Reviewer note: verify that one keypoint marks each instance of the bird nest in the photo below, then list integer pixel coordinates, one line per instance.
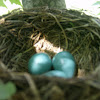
(24, 33)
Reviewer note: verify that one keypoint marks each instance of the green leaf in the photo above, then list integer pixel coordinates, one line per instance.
(15, 1)
(7, 90)
(98, 13)
(97, 3)
(2, 4)
(10, 86)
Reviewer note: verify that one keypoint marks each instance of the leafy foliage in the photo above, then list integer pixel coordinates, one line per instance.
(2, 4)
(7, 90)
(12, 1)
(15, 1)
(97, 3)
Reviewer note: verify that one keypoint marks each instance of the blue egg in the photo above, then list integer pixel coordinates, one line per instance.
(64, 62)
(39, 63)
(55, 73)
(64, 54)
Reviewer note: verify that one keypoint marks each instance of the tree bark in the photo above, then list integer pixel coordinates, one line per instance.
(58, 4)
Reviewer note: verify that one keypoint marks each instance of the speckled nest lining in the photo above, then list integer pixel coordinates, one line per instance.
(23, 33)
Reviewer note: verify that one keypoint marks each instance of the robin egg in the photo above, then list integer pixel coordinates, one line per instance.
(65, 62)
(39, 63)
(55, 73)
(64, 54)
